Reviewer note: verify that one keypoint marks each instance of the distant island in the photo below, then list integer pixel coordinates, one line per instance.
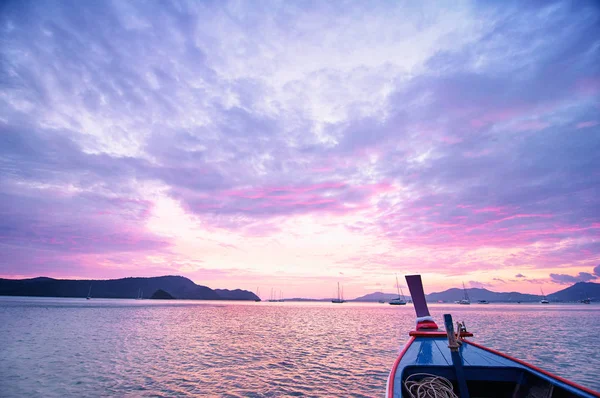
(175, 286)
(574, 293)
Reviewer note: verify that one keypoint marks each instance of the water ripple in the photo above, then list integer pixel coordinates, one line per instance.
(69, 347)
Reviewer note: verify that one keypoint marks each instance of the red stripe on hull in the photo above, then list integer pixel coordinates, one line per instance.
(568, 382)
(395, 367)
(435, 333)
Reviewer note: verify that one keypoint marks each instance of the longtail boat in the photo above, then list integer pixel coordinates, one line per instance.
(445, 363)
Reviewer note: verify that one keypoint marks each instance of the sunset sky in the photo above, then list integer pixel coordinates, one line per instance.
(291, 145)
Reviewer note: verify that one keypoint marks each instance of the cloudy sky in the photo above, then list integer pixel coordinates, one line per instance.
(291, 145)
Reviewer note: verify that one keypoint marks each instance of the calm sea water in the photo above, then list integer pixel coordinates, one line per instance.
(73, 347)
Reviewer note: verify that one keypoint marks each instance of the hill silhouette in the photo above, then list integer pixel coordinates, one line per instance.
(177, 286)
(577, 292)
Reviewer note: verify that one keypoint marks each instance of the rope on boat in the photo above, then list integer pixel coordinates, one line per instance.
(430, 386)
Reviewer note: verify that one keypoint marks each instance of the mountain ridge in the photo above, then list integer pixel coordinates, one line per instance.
(575, 292)
(177, 286)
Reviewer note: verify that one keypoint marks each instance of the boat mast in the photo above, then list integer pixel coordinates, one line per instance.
(338, 291)
(398, 286)
(465, 290)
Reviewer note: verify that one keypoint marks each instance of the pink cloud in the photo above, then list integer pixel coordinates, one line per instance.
(332, 197)
(491, 210)
(495, 116)
(591, 123)
(588, 86)
(477, 154)
(529, 126)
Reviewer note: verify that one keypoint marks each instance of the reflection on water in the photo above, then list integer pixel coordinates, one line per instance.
(73, 347)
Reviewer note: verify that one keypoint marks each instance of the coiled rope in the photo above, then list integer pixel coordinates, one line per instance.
(429, 386)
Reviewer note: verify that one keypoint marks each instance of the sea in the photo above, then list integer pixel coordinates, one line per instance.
(56, 347)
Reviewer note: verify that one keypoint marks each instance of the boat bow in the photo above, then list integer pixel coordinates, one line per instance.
(432, 358)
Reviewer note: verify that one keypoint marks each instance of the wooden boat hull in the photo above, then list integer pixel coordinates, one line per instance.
(441, 363)
(489, 373)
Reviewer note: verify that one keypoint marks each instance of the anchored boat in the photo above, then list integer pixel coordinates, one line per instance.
(437, 363)
(465, 300)
(401, 300)
(339, 299)
(257, 299)
(273, 299)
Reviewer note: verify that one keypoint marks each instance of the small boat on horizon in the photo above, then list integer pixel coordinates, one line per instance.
(140, 295)
(482, 302)
(465, 300)
(400, 300)
(543, 300)
(272, 298)
(257, 299)
(587, 300)
(89, 296)
(445, 363)
(339, 299)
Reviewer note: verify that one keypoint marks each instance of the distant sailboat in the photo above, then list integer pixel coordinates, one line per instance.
(89, 296)
(339, 299)
(543, 300)
(586, 300)
(465, 300)
(257, 295)
(401, 300)
(280, 297)
(272, 299)
(140, 295)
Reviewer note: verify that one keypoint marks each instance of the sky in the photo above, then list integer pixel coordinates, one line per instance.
(292, 145)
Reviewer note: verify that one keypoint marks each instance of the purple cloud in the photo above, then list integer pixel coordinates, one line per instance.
(250, 121)
(480, 285)
(568, 279)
